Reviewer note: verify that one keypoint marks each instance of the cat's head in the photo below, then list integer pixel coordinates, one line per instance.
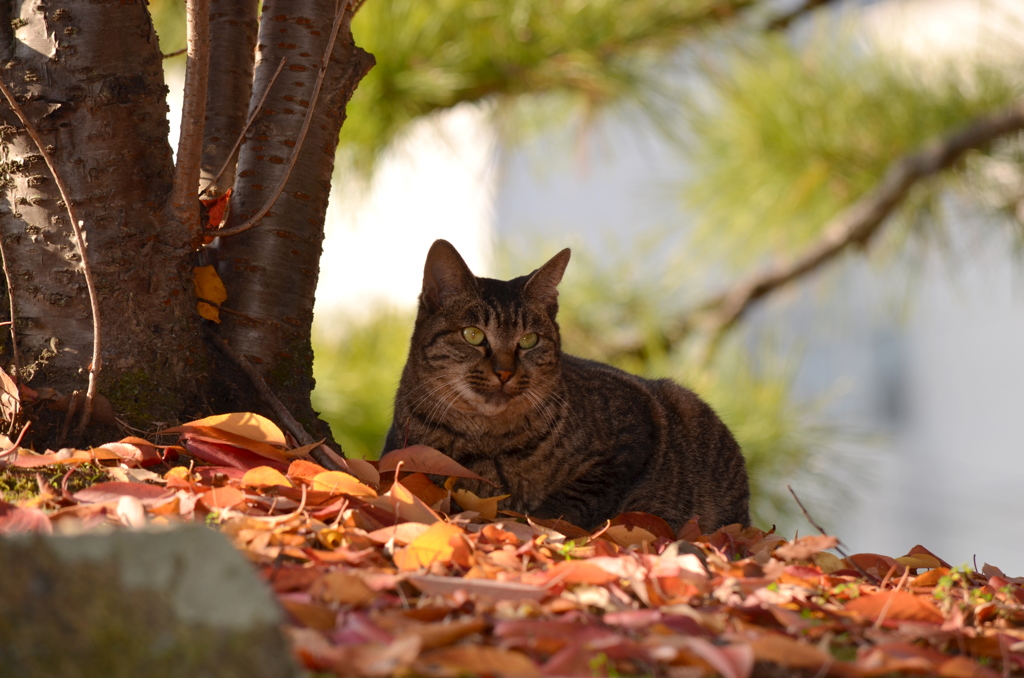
(490, 346)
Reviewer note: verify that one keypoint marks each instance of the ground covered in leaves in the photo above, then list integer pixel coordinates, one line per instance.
(379, 577)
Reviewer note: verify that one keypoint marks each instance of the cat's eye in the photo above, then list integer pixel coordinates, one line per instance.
(528, 340)
(474, 335)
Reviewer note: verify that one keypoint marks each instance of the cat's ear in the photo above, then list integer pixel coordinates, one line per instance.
(543, 283)
(445, 275)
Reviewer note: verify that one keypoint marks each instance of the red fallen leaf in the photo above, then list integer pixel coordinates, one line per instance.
(475, 660)
(223, 454)
(216, 435)
(112, 491)
(876, 564)
(805, 547)
(691, 530)
(423, 459)
(646, 521)
(15, 520)
(896, 606)
(221, 498)
(922, 551)
(420, 485)
(731, 661)
(485, 588)
(216, 209)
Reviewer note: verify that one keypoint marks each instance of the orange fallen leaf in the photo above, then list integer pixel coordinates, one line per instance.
(264, 476)
(221, 498)
(439, 543)
(425, 460)
(339, 482)
(301, 469)
(896, 606)
(246, 424)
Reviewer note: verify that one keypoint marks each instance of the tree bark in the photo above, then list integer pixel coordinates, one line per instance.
(99, 105)
(233, 28)
(271, 269)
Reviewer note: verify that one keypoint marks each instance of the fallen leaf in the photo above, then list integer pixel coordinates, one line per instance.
(339, 482)
(224, 454)
(112, 491)
(487, 507)
(342, 588)
(439, 543)
(896, 606)
(805, 548)
(483, 588)
(423, 459)
(404, 505)
(14, 520)
(10, 400)
(221, 498)
(246, 424)
(789, 653)
(264, 476)
(209, 286)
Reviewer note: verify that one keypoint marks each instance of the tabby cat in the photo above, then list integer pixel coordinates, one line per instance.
(487, 383)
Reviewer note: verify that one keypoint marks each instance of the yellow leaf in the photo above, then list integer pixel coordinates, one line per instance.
(339, 482)
(487, 507)
(209, 286)
(264, 476)
(437, 544)
(247, 424)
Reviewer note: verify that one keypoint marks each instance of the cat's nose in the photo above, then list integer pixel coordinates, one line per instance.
(503, 375)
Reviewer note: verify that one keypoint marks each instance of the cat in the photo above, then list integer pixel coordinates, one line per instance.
(487, 384)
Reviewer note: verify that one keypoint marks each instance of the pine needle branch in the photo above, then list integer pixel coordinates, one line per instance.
(856, 226)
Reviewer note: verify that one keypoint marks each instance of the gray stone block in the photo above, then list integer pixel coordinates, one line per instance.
(177, 602)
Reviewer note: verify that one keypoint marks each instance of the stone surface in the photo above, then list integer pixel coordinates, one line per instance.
(178, 602)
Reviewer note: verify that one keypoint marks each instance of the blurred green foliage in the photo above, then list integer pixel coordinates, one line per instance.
(435, 55)
(357, 366)
(795, 133)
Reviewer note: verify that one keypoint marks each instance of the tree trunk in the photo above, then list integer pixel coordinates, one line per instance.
(99, 105)
(271, 269)
(233, 26)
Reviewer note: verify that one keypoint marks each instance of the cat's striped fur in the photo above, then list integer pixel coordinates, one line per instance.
(566, 437)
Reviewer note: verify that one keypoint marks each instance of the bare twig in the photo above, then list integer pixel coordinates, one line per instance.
(177, 52)
(272, 401)
(783, 21)
(17, 443)
(248, 124)
(855, 226)
(838, 548)
(76, 226)
(183, 203)
(324, 62)
(15, 355)
(227, 310)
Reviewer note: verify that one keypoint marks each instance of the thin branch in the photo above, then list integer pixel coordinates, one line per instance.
(15, 355)
(272, 401)
(838, 548)
(175, 53)
(248, 124)
(783, 21)
(184, 203)
(857, 225)
(324, 62)
(76, 226)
